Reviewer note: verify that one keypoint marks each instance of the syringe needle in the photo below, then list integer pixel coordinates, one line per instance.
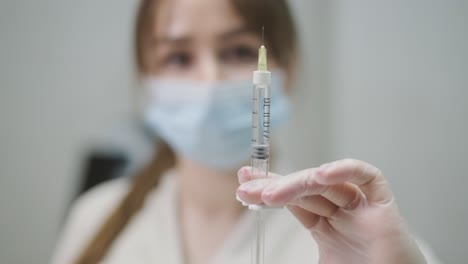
(263, 35)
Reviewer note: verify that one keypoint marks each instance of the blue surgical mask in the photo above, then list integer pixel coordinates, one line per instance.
(209, 123)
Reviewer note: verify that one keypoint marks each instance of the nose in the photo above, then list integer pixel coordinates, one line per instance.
(209, 68)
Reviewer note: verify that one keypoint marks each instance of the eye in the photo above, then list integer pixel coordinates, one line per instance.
(239, 54)
(178, 60)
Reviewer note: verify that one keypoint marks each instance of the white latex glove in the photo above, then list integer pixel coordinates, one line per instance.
(348, 207)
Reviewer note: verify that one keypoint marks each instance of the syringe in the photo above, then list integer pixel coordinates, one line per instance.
(260, 144)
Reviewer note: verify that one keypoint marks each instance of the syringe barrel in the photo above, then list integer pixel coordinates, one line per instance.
(261, 112)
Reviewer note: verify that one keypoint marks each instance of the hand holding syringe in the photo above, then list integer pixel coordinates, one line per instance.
(336, 202)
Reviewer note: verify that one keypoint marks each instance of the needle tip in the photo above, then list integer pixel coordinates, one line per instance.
(263, 35)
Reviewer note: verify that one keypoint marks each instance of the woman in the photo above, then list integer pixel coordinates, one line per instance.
(196, 59)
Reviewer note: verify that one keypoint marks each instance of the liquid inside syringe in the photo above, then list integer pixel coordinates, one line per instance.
(261, 112)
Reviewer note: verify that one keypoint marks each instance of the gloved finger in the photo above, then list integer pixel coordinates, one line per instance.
(246, 174)
(307, 218)
(251, 191)
(302, 184)
(346, 195)
(369, 179)
(318, 205)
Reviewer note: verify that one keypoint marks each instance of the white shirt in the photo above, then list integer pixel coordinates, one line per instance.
(152, 236)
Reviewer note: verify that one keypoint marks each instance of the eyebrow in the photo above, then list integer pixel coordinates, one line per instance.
(171, 40)
(234, 33)
(186, 40)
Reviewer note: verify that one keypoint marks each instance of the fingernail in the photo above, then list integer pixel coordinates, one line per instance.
(325, 167)
(244, 171)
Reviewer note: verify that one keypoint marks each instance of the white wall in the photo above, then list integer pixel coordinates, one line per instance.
(64, 74)
(381, 81)
(399, 79)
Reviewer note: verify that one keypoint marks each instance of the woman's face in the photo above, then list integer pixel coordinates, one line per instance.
(202, 40)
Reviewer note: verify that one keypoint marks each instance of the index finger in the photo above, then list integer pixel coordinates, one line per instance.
(369, 179)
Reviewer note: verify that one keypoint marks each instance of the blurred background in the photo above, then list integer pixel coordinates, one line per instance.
(382, 81)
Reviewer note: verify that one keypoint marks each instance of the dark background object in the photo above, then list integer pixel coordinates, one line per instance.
(101, 166)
